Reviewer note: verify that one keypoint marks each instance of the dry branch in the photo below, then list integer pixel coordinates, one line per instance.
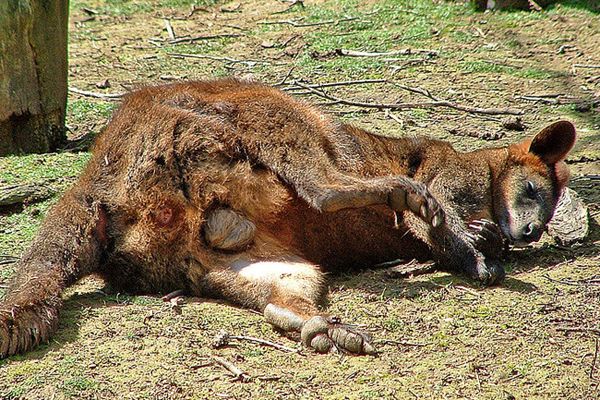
(228, 60)
(190, 39)
(404, 52)
(103, 96)
(332, 84)
(406, 106)
(238, 374)
(6, 260)
(17, 194)
(169, 29)
(223, 338)
(580, 329)
(298, 24)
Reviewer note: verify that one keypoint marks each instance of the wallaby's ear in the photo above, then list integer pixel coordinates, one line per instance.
(553, 143)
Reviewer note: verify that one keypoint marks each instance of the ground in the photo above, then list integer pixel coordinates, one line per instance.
(533, 337)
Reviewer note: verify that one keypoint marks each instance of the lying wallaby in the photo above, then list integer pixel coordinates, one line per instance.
(236, 190)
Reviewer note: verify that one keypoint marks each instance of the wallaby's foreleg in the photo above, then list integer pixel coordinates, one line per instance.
(399, 192)
(288, 293)
(455, 248)
(323, 185)
(67, 247)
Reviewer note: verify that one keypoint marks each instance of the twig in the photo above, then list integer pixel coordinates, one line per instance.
(29, 192)
(203, 37)
(172, 295)
(285, 78)
(409, 270)
(217, 58)
(539, 98)
(477, 134)
(586, 66)
(169, 28)
(238, 374)
(593, 281)
(103, 96)
(402, 343)
(223, 338)
(405, 106)
(6, 260)
(578, 329)
(332, 84)
(593, 368)
(404, 52)
(297, 24)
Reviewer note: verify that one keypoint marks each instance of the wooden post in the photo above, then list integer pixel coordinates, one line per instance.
(33, 75)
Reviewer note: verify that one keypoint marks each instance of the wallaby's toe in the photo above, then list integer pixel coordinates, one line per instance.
(487, 237)
(23, 329)
(324, 334)
(490, 272)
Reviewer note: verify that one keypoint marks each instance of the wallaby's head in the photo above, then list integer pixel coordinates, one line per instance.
(528, 187)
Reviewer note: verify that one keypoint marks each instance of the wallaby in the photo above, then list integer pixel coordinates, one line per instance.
(235, 189)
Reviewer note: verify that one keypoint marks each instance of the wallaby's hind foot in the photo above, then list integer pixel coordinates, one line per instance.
(320, 333)
(325, 334)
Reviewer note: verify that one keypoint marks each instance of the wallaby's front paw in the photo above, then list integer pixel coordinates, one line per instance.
(420, 201)
(324, 334)
(487, 237)
(490, 271)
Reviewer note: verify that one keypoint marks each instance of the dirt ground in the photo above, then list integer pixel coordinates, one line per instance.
(534, 337)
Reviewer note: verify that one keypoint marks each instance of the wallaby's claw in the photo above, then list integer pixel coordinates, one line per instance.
(490, 272)
(23, 329)
(420, 202)
(487, 237)
(325, 334)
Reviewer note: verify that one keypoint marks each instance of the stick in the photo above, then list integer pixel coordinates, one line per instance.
(285, 78)
(405, 106)
(17, 194)
(404, 52)
(578, 329)
(585, 66)
(103, 96)
(340, 83)
(238, 374)
(297, 24)
(172, 295)
(223, 338)
(203, 37)
(170, 30)
(216, 58)
(402, 343)
(593, 368)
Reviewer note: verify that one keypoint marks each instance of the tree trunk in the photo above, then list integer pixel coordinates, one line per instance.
(33, 75)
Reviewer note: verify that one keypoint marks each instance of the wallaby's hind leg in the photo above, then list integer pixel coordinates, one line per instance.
(288, 293)
(68, 246)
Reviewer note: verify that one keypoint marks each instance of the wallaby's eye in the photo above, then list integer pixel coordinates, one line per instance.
(531, 190)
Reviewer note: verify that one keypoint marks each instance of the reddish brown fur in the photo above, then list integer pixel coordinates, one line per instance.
(174, 153)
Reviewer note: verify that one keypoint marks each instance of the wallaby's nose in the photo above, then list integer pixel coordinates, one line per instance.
(532, 232)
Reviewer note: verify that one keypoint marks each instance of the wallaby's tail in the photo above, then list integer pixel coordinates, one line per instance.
(67, 247)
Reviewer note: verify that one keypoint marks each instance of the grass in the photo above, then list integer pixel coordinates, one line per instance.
(440, 336)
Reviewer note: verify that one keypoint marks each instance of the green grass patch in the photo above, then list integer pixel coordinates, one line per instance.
(128, 7)
(80, 111)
